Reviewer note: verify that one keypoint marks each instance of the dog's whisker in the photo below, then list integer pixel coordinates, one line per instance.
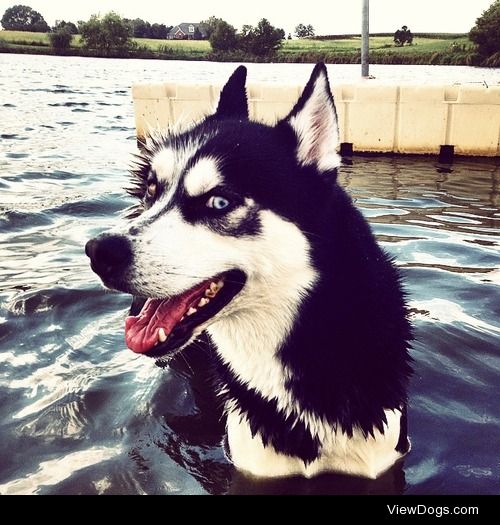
(184, 358)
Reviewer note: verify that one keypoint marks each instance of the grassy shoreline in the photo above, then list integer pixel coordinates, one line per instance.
(444, 49)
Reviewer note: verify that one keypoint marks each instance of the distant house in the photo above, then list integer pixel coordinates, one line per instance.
(188, 31)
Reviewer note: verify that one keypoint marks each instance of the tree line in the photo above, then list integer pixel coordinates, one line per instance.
(261, 40)
(111, 34)
(24, 18)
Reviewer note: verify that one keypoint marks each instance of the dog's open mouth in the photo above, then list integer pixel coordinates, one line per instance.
(164, 325)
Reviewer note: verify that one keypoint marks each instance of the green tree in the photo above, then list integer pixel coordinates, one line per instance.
(140, 28)
(24, 18)
(486, 32)
(61, 37)
(403, 36)
(211, 24)
(159, 31)
(70, 26)
(304, 31)
(263, 40)
(223, 36)
(197, 35)
(107, 34)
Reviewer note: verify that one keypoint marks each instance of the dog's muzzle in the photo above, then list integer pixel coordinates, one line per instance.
(109, 255)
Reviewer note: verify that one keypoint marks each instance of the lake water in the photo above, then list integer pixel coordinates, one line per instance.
(79, 413)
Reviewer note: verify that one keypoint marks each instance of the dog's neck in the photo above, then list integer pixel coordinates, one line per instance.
(248, 345)
(250, 337)
(319, 353)
(253, 381)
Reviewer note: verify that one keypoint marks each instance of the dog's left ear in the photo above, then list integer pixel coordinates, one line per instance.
(233, 97)
(314, 121)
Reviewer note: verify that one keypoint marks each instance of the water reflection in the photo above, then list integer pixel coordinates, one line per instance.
(390, 483)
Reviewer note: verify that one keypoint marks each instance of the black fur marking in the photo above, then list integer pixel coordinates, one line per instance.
(195, 211)
(349, 354)
(233, 99)
(285, 434)
(403, 444)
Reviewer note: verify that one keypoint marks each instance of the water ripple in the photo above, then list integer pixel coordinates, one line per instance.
(54, 471)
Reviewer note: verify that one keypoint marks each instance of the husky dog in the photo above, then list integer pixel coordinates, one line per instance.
(243, 232)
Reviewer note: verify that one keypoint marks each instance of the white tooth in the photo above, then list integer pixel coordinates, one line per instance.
(162, 336)
(203, 301)
(191, 311)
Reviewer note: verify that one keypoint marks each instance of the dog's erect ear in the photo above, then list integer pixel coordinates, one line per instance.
(314, 121)
(233, 97)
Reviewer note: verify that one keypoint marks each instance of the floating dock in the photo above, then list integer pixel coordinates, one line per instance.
(409, 119)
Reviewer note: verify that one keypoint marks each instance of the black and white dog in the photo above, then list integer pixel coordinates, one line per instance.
(243, 232)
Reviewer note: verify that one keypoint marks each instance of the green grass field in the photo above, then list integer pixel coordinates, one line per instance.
(378, 44)
(194, 46)
(429, 49)
(22, 36)
(30, 38)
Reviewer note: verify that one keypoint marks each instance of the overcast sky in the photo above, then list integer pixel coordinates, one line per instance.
(327, 16)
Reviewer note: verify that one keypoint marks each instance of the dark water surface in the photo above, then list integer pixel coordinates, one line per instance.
(81, 414)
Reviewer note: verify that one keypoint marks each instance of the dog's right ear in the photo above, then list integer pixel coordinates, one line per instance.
(233, 97)
(314, 122)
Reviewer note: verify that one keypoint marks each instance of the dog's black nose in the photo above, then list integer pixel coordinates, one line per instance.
(109, 254)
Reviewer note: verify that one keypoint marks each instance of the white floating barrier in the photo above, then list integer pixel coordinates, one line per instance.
(372, 118)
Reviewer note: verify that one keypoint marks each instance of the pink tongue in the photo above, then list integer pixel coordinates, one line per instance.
(141, 331)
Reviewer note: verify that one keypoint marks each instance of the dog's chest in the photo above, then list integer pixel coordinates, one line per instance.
(356, 455)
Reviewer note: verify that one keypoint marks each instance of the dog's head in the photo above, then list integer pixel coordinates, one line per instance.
(226, 212)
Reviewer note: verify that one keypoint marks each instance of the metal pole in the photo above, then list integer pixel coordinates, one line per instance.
(365, 42)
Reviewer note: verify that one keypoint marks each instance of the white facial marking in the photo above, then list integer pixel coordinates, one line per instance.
(202, 177)
(316, 127)
(164, 165)
(169, 163)
(169, 247)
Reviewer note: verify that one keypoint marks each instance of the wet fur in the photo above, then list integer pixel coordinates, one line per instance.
(312, 356)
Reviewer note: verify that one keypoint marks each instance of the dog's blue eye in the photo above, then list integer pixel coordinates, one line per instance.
(217, 202)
